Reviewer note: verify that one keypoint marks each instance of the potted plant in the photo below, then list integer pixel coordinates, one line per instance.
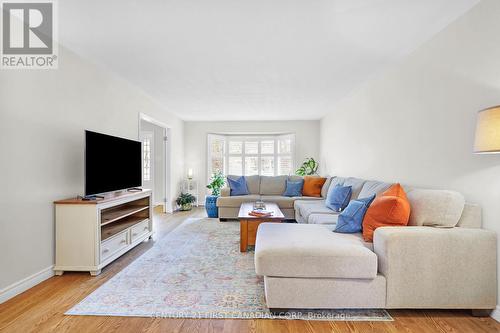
(216, 183)
(308, 168)
(185, 201)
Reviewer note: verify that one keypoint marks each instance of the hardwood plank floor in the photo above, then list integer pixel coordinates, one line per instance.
(41, 309)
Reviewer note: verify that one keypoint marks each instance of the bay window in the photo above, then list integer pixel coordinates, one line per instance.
(266, 155)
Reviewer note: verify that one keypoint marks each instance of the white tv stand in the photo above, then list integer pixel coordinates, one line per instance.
(91, 234)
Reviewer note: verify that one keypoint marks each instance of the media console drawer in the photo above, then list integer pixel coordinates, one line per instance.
(139, 230)
(114, 244)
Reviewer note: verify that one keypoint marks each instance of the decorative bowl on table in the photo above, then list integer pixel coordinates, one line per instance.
(259, 204)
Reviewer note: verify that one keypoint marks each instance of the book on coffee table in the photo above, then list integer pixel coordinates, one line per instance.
(261, 213)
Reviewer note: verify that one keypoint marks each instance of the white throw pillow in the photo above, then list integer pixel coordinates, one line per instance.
(438, 208)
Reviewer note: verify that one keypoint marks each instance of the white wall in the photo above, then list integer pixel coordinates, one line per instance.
(43, 115)
(195, 139)
(415, 124)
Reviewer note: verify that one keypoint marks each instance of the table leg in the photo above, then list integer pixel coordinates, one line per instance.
(243, 235)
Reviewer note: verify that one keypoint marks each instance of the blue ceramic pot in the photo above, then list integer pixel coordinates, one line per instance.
(211, 205)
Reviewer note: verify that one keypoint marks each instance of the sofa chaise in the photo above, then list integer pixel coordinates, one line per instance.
(443, 259)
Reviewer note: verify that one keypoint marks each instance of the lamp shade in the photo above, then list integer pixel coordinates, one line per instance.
(487, 138)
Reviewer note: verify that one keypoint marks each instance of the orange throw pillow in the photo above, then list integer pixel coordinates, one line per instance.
(312, 186)
(391, 208)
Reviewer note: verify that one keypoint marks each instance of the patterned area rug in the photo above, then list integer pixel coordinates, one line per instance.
(197, 271)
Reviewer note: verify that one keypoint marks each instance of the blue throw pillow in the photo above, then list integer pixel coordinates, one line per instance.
(338, 197)
(238, 186)
(368, 200)
(351, 219)
(293, 189)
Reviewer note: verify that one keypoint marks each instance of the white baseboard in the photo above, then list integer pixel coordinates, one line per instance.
(496, 313)
(29, 282)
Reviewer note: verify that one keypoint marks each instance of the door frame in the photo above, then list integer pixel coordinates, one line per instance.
(167, 201)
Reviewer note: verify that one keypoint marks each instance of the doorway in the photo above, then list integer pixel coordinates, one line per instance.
(156, 160)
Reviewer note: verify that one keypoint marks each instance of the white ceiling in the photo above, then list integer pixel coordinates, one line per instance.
(253, 59)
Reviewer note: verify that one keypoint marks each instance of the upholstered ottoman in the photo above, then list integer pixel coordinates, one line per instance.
(309, 266)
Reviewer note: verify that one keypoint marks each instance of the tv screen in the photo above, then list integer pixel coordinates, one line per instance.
(111, 163)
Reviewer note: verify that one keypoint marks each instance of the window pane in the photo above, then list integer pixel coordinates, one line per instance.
(217, 147)
(235, 165)
(250, 155)
(267, 166)
(284, 165)
(251, 147)
(251, 165)
(235, 147)
(267, 147)
(284, 146)
(217, 164)
(147, 159)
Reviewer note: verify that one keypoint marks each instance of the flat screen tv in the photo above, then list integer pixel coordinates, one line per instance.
(111, 163)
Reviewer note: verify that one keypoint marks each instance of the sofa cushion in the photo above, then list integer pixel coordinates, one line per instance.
(308, 207)
(326, 187)
(373, 187)
(356, 184)
(281, 201)
(330, 219)
(471, 216)
(270, 185)
(293, 188)
(308, 198)
(391, 208)
(238, 186)
(337, 181)
(330, 183)
(225, 191)
(338, 197)
(312, 186)
(253, 183)
(435, 207)
(308, 250)
(236, 201)
(295, 178)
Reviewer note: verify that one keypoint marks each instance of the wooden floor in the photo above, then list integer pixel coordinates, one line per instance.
(41, 309)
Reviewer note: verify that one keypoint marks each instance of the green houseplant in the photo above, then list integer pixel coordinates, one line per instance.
(216, 183)
(185, 201)
(308, 168)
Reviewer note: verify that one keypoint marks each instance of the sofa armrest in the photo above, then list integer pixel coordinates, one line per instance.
(225, 192)
(428, 267)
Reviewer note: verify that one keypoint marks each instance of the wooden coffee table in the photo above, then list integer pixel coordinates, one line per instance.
(249, 224)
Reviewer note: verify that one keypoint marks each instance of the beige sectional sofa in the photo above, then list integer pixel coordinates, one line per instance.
(265, 188)
(442, 260)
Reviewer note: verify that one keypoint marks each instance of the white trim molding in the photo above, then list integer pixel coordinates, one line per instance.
(496, 313)
(29, 282)
(167, 158)
(149, 119)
